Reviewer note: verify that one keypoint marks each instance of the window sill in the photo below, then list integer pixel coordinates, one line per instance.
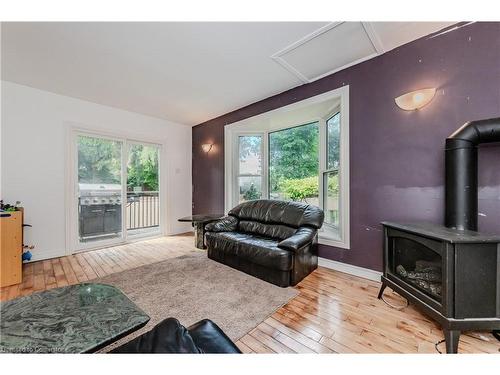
(330, 240)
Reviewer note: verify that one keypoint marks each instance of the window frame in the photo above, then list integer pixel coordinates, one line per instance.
(236, 170)
(282, 128)
(329, 233)
(340, 238)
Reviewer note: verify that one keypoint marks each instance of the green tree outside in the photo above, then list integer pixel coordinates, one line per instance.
(143, 168)
(99, 162)
(293, 161)
(252, 193)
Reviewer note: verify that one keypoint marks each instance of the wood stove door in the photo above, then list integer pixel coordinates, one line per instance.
(419, 265)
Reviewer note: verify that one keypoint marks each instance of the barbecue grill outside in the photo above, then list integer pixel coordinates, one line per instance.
(100, 210)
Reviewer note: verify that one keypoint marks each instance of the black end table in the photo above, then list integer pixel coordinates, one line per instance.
(199, 222)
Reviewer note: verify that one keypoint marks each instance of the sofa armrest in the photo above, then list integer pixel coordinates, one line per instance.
(300, 238)
(226, 224)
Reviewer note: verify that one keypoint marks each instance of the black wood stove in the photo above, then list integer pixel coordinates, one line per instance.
(451, 272)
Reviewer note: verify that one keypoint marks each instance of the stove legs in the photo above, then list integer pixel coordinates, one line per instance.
(381, 292)
(451, 337)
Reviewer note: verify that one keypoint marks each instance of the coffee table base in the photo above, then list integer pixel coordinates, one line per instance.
(199, 221)
(199, 234)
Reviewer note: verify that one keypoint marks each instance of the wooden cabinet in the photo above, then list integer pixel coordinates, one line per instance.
(11, 248)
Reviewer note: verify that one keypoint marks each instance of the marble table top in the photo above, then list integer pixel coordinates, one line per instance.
(73, 319)
(202, 218)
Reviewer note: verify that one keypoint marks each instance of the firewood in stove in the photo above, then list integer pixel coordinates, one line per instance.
(427, 266)
(431, 275)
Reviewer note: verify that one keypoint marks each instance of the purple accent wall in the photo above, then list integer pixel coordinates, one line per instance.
(396, 157)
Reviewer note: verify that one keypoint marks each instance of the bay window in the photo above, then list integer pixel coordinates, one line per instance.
(330, 175)
(296, 153)
(294, 164)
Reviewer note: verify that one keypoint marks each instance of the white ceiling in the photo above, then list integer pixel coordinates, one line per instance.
(190, 72)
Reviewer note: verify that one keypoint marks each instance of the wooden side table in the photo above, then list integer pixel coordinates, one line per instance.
(11, 247)
(199, 222)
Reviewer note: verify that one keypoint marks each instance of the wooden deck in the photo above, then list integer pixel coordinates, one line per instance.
(334, 312)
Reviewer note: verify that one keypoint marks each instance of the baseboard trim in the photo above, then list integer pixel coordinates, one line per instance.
(44, 255)
(350, 269)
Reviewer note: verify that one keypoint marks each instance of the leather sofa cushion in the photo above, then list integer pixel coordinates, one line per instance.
(226, 224)
(293, 214)
(168, 336)
(211, 339)
(252, 248)
(275, 231)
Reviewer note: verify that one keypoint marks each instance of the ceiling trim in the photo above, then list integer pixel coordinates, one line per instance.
(278, 55)
(355, 62)
(290, 68)
(374, 37)
(307, 38)
(367, 27)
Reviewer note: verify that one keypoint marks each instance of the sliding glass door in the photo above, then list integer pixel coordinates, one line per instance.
(117, 185)
(99, 189)
(143, 199)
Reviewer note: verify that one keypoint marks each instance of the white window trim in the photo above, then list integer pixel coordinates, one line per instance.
(325, 237)
(73, 245)
(236, 167)
(232, 131)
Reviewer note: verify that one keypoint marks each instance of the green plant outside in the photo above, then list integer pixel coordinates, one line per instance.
(251, 194)
(298, 189)
(143, 168)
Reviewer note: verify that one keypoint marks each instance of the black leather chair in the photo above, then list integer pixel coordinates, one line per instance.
(275, 241)
(170, 336)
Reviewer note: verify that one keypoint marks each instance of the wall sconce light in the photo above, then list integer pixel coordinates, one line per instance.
(415, 99)
(206, 147)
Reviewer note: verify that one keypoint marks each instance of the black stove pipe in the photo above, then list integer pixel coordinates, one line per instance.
(461, 171)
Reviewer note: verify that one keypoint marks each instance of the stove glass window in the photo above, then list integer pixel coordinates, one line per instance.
(417, 265)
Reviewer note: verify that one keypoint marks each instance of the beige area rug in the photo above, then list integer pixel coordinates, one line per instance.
(193, 287)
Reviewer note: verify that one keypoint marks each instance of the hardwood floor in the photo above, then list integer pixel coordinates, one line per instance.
(334, 312)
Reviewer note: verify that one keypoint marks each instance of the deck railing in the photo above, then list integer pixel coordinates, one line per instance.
(143, 210)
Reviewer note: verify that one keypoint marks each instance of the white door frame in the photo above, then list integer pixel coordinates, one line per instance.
(73, 244)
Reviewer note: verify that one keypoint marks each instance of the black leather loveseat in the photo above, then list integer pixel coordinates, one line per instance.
(170, 336)
(275, 241)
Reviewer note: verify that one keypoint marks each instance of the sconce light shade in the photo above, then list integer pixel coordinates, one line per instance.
(206, 147)
(415, 99)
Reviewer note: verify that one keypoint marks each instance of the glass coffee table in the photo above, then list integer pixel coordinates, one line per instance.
(80, 318)
(199, 222)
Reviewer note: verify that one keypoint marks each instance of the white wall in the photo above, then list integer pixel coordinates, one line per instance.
(34, 132)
